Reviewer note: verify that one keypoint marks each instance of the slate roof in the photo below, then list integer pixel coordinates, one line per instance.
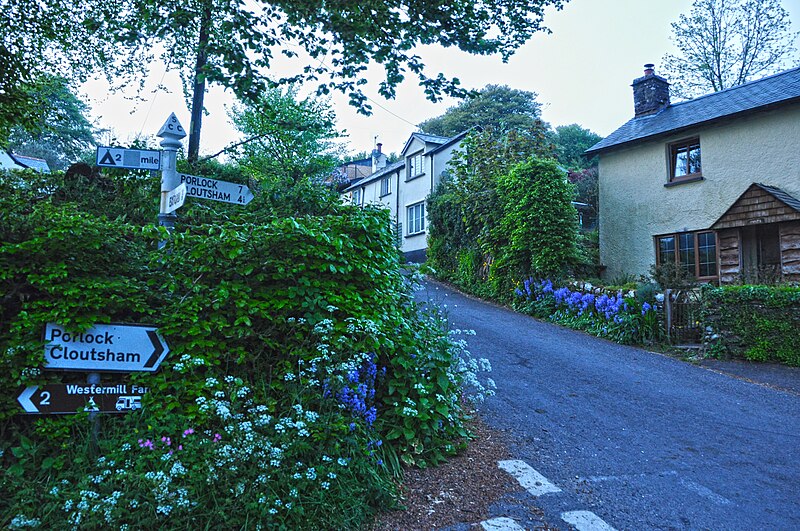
(450, 141)
(780, 195)
(36, 164)
(758, 95)
(443, 142)
(391, 168)
(428, 139)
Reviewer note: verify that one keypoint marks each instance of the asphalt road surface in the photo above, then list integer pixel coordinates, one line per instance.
(641, 440)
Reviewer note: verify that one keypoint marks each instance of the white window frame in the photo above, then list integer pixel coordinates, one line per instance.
(415, 219)
(415, 163)
(358, 196)
(386, 185)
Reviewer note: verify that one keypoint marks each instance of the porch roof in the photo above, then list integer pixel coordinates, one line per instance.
(759, 204)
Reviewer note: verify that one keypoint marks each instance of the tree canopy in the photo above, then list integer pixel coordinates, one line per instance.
(61, 134)
(39, 40)
(497, 106)
(571, 141)
(723, 43)
(236, 45)
(288, 138)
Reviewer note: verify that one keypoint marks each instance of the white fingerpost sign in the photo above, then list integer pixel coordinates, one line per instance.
(111, 347)
(206, 188)
(135, 159)
(176, 198)
(170, 134)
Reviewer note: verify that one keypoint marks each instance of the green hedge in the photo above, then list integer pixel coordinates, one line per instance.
(300, 374)
(758, 323)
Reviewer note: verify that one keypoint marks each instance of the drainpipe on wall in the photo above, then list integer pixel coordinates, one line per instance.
(397, 209)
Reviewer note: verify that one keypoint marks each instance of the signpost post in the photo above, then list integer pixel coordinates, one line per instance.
(171, 134)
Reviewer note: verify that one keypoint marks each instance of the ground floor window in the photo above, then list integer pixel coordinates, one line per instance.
(694, 252)
(415, 221)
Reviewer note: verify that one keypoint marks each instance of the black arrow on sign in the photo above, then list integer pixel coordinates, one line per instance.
(159, 348)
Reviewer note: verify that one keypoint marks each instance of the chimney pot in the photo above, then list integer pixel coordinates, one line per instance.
(379, 145)
(649, 69)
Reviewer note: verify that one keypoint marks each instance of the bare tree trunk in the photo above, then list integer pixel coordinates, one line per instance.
(199, 89)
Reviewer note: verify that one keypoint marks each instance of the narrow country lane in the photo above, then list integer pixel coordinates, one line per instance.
(631, 439)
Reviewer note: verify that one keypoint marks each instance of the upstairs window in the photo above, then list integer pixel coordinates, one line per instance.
(358, 196)
(386, 186)
(415, 165)
(684, 159)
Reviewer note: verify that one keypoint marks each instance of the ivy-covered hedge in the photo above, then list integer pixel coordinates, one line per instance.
(300, 374)
(759, 323)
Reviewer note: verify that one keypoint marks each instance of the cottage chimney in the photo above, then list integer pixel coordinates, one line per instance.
(378, 158)
(650, 92)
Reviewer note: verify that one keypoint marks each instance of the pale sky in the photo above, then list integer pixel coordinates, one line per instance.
(581, 72)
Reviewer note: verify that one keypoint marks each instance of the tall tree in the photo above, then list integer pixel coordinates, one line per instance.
(287, 138)
(571, 141)
(495, 106)
(234, 44)
(62, 134)
(723, 43)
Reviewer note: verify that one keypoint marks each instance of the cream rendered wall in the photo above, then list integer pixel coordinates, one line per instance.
(372, 194)
(635, 205)
(412, 192)
(439, 162)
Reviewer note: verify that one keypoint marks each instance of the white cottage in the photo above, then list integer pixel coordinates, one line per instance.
(404, 186)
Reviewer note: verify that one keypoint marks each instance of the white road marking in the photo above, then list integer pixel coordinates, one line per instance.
(531, 480)
(586, 521)
(705, 492)
(501, 524)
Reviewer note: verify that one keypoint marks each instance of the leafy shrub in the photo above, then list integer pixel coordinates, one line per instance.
(758, 323)
(539, 223)
(501, 214)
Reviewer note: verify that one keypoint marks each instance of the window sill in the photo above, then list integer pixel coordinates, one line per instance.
(685, 180)
(384, 195)
(415, 234)
(415, 177)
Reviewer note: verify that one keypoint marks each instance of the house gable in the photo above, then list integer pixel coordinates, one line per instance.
(759, 204)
